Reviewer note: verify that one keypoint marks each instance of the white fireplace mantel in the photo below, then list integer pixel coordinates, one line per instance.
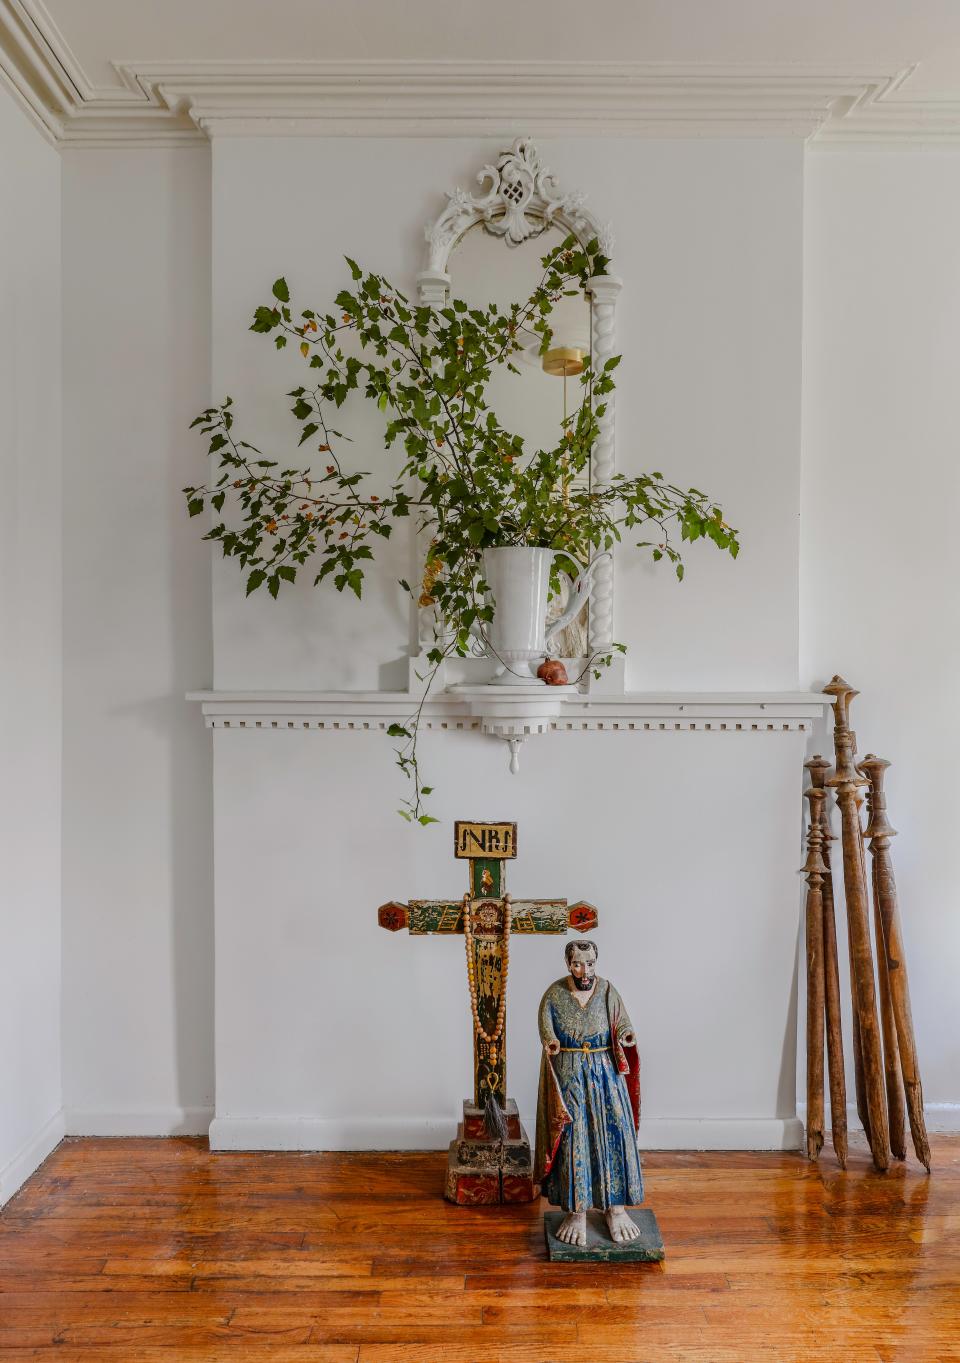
(508, 712)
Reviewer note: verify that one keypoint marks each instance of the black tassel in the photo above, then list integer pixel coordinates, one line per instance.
(494, 1120)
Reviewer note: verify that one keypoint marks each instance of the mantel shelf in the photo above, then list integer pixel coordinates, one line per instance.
(515, 714)
(737, 711)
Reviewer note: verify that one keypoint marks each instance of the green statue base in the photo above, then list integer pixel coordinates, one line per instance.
(648, 1247)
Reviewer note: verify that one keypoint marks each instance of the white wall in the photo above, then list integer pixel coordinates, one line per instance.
(711, 239)
(709, 245)
(30, 653)
(138, 973)
(333, 1033)
(880, 548)
(330, 1031)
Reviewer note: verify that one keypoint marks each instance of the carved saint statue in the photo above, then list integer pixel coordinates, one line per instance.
(588, 1108)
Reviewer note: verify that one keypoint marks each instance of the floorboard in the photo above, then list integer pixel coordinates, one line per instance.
(142, 1251)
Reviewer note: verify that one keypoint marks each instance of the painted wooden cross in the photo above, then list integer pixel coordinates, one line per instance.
(487, 847)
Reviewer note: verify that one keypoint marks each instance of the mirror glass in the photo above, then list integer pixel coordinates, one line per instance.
(532, 403)
(484, 270)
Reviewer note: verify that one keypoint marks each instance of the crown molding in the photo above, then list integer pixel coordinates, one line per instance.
(174, 103)
(452, 99)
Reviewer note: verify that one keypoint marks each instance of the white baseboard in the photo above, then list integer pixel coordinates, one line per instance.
(720, 1133)
(331, 1133)
(942, 1116)
(939, 1117)
(171, 1121)
(435, 1133)
(30, 1156)
(414, 1133)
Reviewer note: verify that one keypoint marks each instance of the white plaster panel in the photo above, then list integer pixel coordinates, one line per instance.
(708, 242)
(138, 922)
(685, 842)
(30, 652)
(880, 554)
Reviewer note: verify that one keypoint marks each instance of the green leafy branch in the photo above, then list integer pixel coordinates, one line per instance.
(469, 483)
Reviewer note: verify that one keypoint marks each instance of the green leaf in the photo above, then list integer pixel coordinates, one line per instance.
(426, 818)
(281, 291)
(273, 586)
(255, 580)
(355, 269)
(398, 731)
(195, 506)
(265, 319)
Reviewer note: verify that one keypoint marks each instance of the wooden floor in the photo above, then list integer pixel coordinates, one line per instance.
(134, 1250)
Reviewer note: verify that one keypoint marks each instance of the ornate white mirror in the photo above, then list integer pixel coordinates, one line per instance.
(487, 248)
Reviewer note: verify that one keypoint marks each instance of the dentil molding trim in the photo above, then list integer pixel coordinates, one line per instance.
(173, 103)
(644, 712)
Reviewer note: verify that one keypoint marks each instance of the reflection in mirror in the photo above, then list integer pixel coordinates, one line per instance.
(484, 270)
(533, 402)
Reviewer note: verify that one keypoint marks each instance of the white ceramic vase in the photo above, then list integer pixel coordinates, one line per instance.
(517, 639)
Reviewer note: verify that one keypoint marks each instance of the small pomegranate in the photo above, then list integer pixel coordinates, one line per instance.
(552, 672)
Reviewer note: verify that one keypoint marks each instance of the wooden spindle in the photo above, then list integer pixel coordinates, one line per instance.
(813, 869)
(879, 832)
(846, 781)
(862, 1110)
(896, 1118)
(818, 767)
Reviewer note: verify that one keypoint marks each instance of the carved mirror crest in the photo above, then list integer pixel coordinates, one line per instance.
(522, 202)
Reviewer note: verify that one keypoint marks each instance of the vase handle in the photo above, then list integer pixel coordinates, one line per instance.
(579, 596)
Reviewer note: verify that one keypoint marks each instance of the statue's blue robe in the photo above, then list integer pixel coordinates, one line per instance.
(586, 1121)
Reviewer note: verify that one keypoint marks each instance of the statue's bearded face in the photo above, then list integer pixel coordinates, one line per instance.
(583, 968)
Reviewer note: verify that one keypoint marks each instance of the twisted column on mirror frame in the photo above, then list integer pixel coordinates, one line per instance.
(603, 298)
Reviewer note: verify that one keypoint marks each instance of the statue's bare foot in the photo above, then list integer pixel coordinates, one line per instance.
(573, 1229)
(622, 1227)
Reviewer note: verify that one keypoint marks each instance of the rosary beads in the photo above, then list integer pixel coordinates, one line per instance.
(495, 1035)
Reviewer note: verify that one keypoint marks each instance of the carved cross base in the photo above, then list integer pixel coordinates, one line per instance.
(483, 1170)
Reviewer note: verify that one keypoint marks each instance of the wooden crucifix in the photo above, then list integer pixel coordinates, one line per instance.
(488, 1165)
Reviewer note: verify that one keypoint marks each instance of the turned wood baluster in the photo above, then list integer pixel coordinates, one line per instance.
(862, 1090)
(879, 832)
(818, 767)
(813, 869)
(891, 1060)
(846, 781)
(859, 1084)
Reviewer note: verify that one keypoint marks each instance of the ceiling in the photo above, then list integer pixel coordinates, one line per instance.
(83, 66)
(887, 34)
